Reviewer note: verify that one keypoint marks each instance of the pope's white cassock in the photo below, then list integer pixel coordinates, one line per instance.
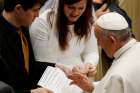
(124, 74)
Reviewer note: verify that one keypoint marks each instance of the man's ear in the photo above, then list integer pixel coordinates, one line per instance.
(113, 38)
(18, 8)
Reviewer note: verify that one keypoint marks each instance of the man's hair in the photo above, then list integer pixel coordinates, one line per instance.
(9, 5)
(122, 35)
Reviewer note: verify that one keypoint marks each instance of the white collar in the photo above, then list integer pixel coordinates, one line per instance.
(128, 45)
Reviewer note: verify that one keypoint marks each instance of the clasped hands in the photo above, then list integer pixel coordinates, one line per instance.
(86, 69)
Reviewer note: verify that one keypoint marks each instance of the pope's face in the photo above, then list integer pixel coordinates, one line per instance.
(104, 41)
(74, 11)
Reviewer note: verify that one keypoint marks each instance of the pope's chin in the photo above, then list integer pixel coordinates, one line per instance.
(109, 55)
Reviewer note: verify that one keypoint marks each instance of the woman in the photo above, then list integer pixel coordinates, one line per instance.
(62, 34)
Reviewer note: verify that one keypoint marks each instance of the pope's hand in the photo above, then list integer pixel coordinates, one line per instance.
(82, 81)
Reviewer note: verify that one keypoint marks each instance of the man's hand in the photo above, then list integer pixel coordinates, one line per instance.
(82, 81)
(41, 90)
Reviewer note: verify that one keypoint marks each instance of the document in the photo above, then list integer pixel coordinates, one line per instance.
(55, 79)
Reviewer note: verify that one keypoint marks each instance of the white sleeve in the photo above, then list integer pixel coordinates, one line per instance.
(39, 33)
(115, 85)
(91, 54)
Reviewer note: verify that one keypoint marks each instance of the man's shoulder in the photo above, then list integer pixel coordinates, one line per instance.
(2, 25)
(2, 32)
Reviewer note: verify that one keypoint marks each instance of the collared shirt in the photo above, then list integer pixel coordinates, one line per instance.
(124, 48)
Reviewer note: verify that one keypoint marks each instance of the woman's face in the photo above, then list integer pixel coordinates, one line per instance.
(74, 11)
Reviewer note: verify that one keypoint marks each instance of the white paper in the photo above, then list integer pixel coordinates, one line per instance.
(55, 79)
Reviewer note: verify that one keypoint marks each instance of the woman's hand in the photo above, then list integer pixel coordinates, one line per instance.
(65, 69)
(91, 69)
(85, 69)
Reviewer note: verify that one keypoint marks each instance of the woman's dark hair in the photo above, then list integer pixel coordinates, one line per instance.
(9, 5)
(82, 26)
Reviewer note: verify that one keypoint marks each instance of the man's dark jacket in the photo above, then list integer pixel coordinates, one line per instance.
(12, 70)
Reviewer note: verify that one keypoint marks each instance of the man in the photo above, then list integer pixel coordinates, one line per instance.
(114, 36)
(17, 65)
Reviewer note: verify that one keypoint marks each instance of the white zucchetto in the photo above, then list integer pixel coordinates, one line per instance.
(112, 21)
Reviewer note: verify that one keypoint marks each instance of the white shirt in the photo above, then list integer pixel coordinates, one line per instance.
(124, 74)
(46, 47)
